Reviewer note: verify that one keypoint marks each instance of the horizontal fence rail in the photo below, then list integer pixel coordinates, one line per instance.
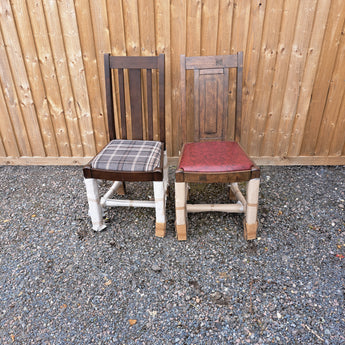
(52, 94)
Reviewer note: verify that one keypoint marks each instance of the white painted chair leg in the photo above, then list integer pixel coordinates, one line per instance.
(95, 209)
(160, 196)
(251, 223)
(181, 210)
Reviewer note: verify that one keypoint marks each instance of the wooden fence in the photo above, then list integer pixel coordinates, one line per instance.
(52, 106)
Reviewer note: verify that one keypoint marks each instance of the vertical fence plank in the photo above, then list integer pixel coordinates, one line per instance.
(252, 58)
(258, 18)
(146, 15)
(116, 34)
(89, 55)
(162, 11)
(20, 78)
(338, 142)
(193, 48)
(2, 147)
(324, 75)
(239, 37)
(280, 76)
(51, 85)
(131, 20)
(265, 75)
(304, 24)
(6, 128)
(224, 27)
(59, 114)
(334, 100)
(116, 27)
(225, 19)
(132, 35)
(103, 29)
(178, 47)
(209, 27)
(12, 102)
(23, 27)
(77, 74)
(309, 74)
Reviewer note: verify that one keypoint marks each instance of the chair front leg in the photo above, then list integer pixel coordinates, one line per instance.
(181, 210)
(160, 197)
(251, 223)
(95, 209)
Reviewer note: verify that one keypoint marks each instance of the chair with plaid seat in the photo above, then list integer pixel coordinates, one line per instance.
(209, 156)
(141, 99)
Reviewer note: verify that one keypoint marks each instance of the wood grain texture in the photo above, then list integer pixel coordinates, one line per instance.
(21, 79)
(89, 55)
(322, 83)
(31, 61)
(53, 87)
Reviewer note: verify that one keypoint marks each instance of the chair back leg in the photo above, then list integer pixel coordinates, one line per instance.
(181, 190)
(251, 223)
(160, 198)
(95, 209)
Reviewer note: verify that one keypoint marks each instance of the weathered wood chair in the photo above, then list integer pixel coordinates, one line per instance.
(209, 158)
(135, 159)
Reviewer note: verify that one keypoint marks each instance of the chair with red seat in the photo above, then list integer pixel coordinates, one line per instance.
(209, 158)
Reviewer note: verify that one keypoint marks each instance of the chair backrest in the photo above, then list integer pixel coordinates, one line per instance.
(211, 95)
(135, 82)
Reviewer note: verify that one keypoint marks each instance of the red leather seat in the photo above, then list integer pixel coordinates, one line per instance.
(214, 156)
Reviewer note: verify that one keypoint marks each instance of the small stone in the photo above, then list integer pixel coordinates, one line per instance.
(216, 295)
(156, 268)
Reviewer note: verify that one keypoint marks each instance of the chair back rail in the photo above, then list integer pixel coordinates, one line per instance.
(211, 96)
(134, 68)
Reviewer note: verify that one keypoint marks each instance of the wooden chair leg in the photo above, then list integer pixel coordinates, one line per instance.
(95, 209)
(122, 189)
(181, 210)
(232, 195)
(251, 223)
(160, 197)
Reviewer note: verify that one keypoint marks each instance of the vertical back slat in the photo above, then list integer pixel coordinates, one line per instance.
(226, 124)
(109, 97)
(196, 105)
(122, 104)
(135, 101)
(149, 104)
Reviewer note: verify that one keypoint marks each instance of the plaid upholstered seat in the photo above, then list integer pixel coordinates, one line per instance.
(129, 155)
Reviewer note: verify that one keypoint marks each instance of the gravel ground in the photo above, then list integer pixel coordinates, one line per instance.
(62, 283)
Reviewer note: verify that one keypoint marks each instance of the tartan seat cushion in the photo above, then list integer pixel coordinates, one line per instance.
(213, 157)
(129, 155)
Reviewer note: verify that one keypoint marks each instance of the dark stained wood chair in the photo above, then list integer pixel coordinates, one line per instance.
(209, 158)
(139, 158)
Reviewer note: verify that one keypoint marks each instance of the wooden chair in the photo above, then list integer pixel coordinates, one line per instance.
(132, 159)
(209, 158)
